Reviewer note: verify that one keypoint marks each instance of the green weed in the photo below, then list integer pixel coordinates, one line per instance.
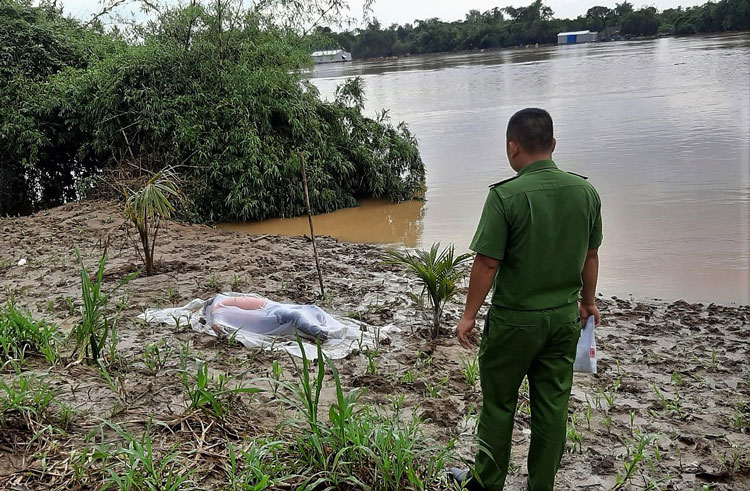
(409, 377)
(207, 393)
(372, 363)
(423, 360)
(255, 467)
(574, 437)
(237, 283)
(741, 416)
(610, 395)
(435, 390)
(630, 465)
(358, 446)
(135, 466)
(91, 333)
(672, 405)
(20, 335)
(276, 373)
(735, 459)
(471, 371)
(28, 401)
(156, 355)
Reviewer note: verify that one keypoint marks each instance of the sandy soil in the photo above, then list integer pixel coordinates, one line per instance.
(695, 356)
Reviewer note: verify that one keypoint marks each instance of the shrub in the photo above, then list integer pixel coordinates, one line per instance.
(214, 92)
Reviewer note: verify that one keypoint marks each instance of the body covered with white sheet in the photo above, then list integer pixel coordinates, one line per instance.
(259, 316)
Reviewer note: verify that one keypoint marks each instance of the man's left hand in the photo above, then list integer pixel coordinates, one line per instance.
(466, 330)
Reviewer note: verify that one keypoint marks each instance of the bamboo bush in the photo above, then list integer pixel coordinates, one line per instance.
(213, 89)
(438, 271)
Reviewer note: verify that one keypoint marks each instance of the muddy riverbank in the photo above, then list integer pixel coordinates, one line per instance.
(672, 375)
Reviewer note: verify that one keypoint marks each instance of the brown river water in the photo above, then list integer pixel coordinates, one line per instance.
(660, 127)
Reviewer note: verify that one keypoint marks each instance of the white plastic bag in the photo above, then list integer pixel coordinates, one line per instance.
(586, 350)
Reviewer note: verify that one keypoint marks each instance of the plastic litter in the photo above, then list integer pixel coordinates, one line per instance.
(586, 350)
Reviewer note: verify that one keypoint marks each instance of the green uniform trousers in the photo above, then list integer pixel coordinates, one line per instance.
(542, 345)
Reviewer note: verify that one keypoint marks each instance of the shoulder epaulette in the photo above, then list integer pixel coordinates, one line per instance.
(579, 175)
(502, 182)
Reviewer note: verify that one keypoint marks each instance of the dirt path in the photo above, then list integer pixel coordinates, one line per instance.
(672, 376)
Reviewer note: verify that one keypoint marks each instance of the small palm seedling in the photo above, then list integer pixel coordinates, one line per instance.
(438, 272)
(146, 208)
(96, 327)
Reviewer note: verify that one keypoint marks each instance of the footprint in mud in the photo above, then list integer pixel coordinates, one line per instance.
(441, 412)
(375, 383)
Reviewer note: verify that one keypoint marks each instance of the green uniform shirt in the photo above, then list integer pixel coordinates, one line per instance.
(539, 224)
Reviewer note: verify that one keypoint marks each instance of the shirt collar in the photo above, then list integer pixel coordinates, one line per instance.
(538, 165)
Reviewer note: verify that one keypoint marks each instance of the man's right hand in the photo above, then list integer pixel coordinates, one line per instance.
(465, 331)
(587, 310)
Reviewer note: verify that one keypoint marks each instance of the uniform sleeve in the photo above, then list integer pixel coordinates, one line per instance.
(595, 236)
(492, 232)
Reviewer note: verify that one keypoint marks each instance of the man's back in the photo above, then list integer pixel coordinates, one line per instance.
(540, 225)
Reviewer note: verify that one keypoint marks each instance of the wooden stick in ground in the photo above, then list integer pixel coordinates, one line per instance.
(309, 219)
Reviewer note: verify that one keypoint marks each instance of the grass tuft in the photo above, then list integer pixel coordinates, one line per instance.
(20, 335)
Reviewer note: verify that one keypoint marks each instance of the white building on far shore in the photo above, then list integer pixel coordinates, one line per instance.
(331, 56)
(577, 37)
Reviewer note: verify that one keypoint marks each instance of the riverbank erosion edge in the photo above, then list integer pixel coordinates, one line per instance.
(673, 383)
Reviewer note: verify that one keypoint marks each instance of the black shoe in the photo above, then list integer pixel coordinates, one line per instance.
(463, 477)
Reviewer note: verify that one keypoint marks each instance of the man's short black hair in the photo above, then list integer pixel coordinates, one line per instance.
(531, 128)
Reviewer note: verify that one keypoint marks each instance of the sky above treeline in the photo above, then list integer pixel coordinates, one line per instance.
(403, 11)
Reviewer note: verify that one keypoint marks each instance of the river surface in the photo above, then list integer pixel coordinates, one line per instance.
(660, 127)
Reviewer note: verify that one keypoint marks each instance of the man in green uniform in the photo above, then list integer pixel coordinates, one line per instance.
(536, 245)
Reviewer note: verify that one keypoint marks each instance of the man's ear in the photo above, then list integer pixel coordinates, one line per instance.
(513, 149)
(554, 144)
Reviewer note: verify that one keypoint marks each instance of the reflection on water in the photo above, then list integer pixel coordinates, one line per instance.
(435, 62)
(661, 128)
(373, 222)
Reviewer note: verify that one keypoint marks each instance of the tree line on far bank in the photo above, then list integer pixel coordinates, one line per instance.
(212, 90)
(513, 26)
